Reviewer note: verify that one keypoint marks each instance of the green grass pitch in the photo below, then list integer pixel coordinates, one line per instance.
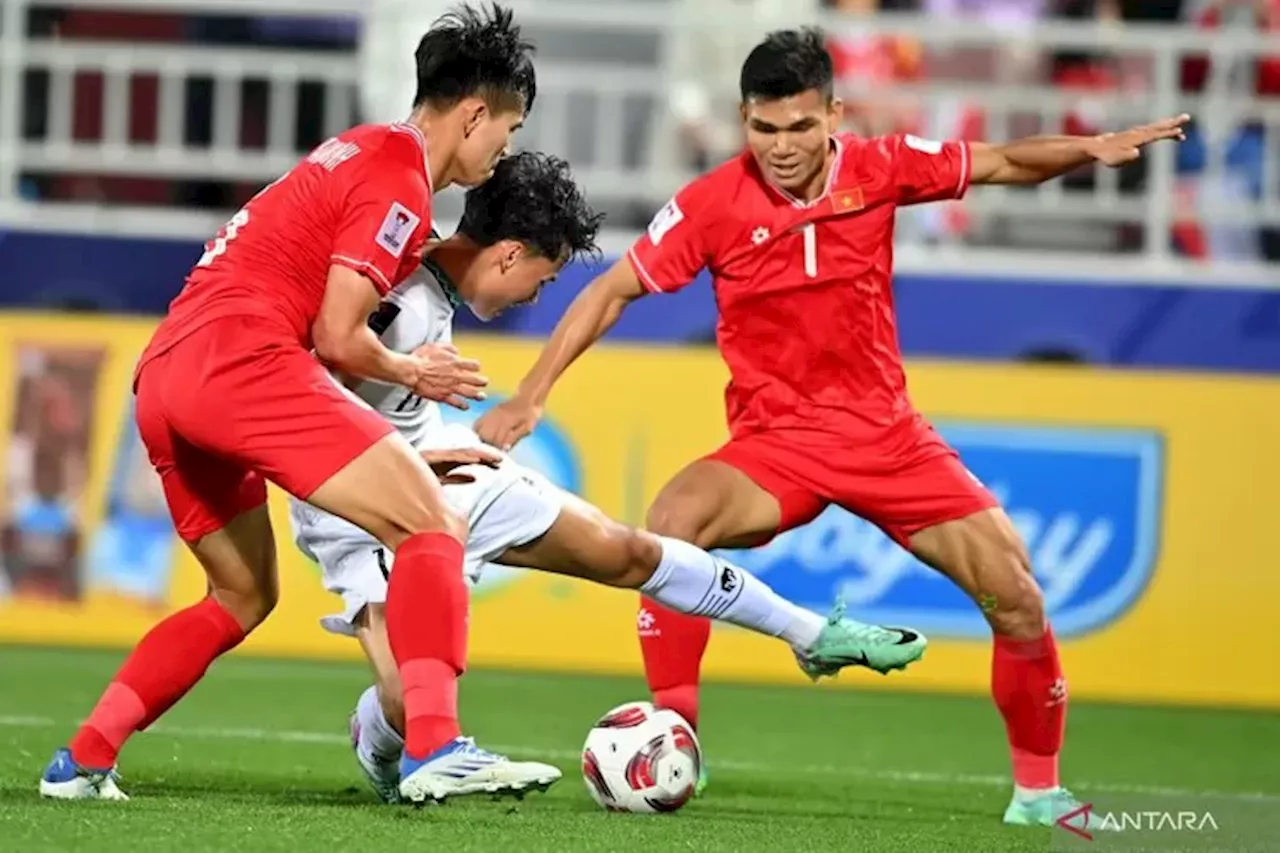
(256, 759)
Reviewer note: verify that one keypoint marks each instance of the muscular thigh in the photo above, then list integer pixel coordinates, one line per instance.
(241, 390)
(739, 497)
(984, 555)
(266, 405)
(204, 491)
(584, 542)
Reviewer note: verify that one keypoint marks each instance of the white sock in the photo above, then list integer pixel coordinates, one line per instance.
(377, 736)
(692, 581)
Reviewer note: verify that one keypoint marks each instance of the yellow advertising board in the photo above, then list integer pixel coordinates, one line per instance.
(1146, 500)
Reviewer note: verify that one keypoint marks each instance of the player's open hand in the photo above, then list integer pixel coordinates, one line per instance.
(1117, 149)
(446, 377)
(508, 422)
(446, 462)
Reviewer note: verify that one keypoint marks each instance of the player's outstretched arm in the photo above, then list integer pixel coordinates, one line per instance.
(591, 315)
(1041, 158)
(343, 340)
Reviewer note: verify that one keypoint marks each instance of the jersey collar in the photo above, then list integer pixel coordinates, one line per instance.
(442, 278)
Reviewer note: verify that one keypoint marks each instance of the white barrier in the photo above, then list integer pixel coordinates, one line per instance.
(608, 110)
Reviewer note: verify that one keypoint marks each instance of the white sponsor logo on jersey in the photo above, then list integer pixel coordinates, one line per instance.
(926, 146)
(396, 228)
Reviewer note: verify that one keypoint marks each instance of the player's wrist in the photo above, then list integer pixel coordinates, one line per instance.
(530, 397)
(1091, 145)
(406, 369)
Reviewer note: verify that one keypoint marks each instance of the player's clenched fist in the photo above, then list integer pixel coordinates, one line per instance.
(507, 423)
(446, 377)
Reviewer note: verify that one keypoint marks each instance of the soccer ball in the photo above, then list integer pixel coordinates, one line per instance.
(641, 759)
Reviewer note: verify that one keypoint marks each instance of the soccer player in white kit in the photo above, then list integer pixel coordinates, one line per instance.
(517, 230)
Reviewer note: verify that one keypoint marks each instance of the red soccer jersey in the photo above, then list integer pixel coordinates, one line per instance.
(807, 323)
(361, 200)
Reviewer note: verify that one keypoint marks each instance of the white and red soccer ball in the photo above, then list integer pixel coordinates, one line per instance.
(641, 759)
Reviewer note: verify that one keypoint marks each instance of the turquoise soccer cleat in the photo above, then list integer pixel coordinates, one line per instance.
(1048, 808)
(846, 642)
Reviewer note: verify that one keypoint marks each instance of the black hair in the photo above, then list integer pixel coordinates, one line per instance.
(787, 63)
(470, 51)
(532, 198)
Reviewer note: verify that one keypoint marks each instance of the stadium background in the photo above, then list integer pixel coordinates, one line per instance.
(1104, 352)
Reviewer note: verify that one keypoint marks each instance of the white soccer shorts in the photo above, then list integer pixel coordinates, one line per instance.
(505, 508)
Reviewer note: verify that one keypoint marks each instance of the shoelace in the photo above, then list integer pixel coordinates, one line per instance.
(860, 630)
(470, 748)
(100, 779)
(1064, 794)
(872, 633)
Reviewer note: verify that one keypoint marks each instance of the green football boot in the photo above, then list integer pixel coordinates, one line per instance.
(1048, 808)
(847, 642)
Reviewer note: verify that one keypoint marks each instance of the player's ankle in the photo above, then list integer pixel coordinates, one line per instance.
(429, 734)
(682, 698)
(1034, 772)
(89, 749)
(1023, 793)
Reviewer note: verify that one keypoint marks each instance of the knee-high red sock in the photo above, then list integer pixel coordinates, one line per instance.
(427, 625)
(1031, 693)
(167, 663)
(672, 644)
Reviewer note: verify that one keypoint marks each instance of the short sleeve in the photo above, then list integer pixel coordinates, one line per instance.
(381, 220)
(926, 170)
(672, 251)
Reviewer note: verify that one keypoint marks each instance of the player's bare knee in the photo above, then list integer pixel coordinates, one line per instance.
(249, 607)
(413, 520)
(679, 518)
(1016, 606)
(637, 554)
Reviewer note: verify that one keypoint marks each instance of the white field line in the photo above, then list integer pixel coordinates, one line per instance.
(839, 771)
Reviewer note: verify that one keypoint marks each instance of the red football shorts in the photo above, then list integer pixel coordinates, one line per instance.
(906, 481)
(236, 401)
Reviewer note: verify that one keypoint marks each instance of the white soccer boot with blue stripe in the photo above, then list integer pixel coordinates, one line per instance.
(460, 767)
(63, 779)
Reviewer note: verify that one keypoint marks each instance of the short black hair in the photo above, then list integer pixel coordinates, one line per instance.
(470, 51)
(532, 198)
(787, 63)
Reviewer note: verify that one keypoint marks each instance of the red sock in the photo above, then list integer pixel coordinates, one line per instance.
(427, 626)
(672, 644)
(167, 663)
(1031, 693)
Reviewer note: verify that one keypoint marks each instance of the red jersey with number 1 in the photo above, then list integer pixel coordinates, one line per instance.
(807, 324)
(360, 200)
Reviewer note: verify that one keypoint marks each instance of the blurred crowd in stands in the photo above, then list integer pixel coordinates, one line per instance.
(875, 74)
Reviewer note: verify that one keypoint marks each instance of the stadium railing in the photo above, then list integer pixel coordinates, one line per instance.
(604, 113)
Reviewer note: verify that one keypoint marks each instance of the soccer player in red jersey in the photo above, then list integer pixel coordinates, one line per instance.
(798, 235)
(229, 394)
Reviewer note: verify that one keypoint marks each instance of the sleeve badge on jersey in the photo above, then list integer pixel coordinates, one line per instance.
(669, 217)
(925, 146)
(396, 229)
